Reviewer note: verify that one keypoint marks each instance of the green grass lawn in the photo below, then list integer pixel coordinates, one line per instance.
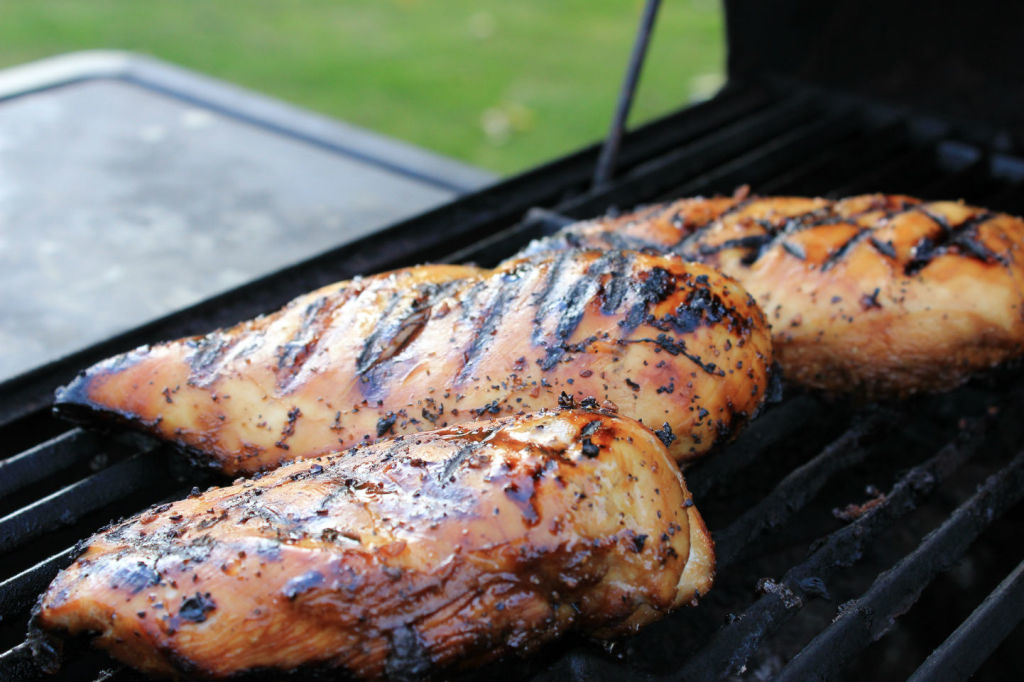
(504, 85)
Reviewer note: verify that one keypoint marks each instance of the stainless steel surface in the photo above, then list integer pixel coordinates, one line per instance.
(120, 203)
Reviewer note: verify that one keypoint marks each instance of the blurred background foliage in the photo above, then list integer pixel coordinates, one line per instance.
(504, 85)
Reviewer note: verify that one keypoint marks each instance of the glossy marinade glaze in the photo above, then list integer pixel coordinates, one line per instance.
(877, 295)
(675, 345)
(447, 548)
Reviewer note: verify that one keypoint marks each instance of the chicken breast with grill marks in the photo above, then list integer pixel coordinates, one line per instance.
(447, 548)
(875, 295)
(675, 345)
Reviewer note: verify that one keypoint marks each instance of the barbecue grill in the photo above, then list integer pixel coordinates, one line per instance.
(853, 539)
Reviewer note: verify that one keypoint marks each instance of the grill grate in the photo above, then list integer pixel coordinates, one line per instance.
(786, 562)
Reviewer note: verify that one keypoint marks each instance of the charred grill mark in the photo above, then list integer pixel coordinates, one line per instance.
(540, 300)
(889, 205)
(458, 458)
(684, 243)
(884, 248)
(373, 347)
(819, 217)
(489, 320)
(614, 291)
(654, 287)
(837, 256)
(963, 236)
(824, 215)
(206, 355)
(398, 327)
(758, 244)
(939, 220)
(794, 249)
(292, 355)
(970, 246)
(702, 307)
(573, 305)
(468, 300)
(622, 242)
(753, 243)
(135, 578)
(678, 347)
(922, 254)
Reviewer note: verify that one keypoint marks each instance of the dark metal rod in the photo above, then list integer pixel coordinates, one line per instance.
(977, 637)
(549, 221)
(18, 592)
(765, 432)
(868, 618)
(610, 150)
(46, 459)
(18, 664)
(729, 649)
(765, 161)
(79, 663)
(797, 489)
(67, 505)
(700, 155)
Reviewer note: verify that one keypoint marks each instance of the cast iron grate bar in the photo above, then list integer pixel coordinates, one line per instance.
(1010, 199)
(17, 663)
(538, 222)
(765, 432)
(967, 172)
(978, 636)
(798, 488)
(819, 174)
(19, 592)
(872, 615)
(678, 165)
(67, 505)
(44, 460)
(764, 162)
(899, 175)
(81, 664)
(732, 646)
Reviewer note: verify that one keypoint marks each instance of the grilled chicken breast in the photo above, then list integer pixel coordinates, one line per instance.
(452, 547)
(878, 295)
(675, 345)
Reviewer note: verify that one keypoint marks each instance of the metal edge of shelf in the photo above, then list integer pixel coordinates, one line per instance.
(244, 105)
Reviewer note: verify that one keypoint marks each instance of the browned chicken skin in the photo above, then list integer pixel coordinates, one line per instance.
(675, 345)
(452, 547)
(874, 295)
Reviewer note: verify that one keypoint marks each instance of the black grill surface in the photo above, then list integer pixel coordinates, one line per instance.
(853, 539)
